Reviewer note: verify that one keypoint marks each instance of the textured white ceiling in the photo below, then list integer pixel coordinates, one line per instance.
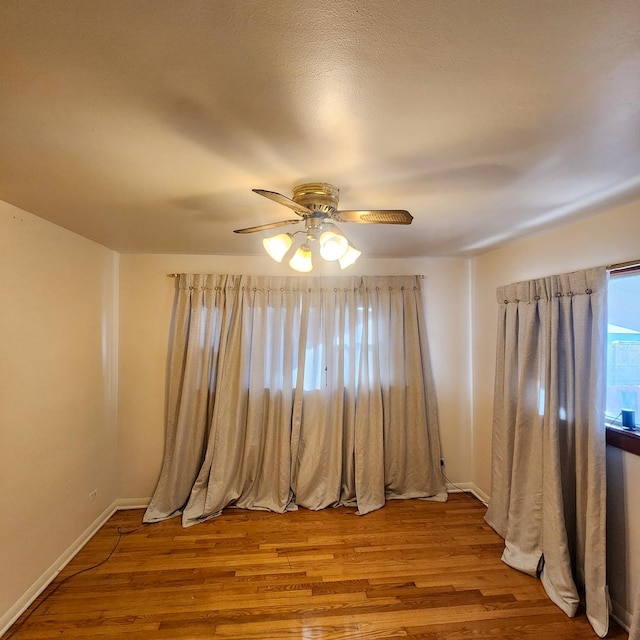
(144, 125)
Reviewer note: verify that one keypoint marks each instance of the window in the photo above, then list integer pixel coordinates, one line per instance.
(623, 360)
(336, 346)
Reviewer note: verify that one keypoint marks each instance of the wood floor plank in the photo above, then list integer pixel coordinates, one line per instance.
(415, 569)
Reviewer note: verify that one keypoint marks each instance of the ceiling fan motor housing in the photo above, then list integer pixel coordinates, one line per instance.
(317, 196)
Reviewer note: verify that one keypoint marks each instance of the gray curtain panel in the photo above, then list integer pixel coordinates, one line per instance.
(634, 632)
(548, 467)
(295, 391)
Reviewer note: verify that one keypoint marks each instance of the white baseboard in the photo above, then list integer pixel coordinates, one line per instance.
(621, 615)
(459, 487)
(132, 503)
(10, 616)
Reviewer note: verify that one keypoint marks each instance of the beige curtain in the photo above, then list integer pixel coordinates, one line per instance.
(634, 632)
(548, 474)
(294, 391)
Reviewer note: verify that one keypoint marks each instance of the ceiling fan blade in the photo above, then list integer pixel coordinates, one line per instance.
(264, 227)
(280, 199)
(389, 216)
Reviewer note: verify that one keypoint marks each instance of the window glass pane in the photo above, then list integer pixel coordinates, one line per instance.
(623, 350)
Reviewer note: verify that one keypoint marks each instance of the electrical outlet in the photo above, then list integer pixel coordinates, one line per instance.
(93, 494)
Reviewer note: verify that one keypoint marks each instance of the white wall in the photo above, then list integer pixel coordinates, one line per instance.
(607, 238)
(58, 428)
(146, 298)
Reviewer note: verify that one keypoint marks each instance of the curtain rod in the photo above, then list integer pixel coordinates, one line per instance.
(176, 275)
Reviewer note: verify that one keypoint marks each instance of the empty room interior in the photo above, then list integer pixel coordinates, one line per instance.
(277, 270)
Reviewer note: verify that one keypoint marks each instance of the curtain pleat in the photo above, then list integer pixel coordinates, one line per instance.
(287, 392)
(548, 474)
(634, 631)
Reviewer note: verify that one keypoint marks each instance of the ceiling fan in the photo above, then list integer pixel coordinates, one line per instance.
(316, 204)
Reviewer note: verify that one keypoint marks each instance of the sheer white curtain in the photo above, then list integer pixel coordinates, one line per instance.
(287, 391)
(548, 475)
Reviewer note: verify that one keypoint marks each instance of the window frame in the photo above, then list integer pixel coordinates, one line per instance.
(616, 436)
(624, 439)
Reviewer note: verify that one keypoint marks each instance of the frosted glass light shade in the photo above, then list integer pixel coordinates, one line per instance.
(333, 245)
(351, 255)
(277, 246)
(301, 260)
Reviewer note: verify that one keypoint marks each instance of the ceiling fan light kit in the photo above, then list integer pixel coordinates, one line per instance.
(277, 246)
(333, 245)
(301, 260)
(317, 205)
(351, 255)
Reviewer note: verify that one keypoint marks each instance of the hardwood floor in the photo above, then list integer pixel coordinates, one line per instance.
(414, 569)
